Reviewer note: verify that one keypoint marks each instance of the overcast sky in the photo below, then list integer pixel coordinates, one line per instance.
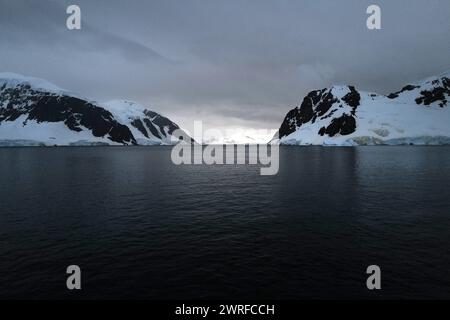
(230, 63)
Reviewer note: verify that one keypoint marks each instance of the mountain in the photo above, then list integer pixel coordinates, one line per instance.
(342, 115)
(147, 127)
(36, 112)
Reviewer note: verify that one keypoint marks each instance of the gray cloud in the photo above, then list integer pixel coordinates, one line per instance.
(235, 62)
(42, 24)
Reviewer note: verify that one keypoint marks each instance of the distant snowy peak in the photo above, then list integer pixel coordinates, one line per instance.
(36, 112)
(429, 92)
(342, 115)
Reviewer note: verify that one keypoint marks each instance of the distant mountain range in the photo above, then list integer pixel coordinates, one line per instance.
(418, 114)
(35, 112)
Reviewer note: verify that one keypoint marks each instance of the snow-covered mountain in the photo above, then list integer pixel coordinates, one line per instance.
(146, 126)
(36, 112)
(341, 115)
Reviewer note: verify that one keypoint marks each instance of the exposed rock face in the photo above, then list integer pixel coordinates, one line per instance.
(434, 91)
(76, 114)
(323, 105)
(35, 111)
(341, 115)
(148, 127)
(438, 94)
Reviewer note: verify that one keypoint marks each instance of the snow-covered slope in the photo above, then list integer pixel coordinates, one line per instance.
(148, 127)
(342, 115)
(36, 112)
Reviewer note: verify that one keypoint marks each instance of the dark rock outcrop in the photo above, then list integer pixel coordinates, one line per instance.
(75, 113)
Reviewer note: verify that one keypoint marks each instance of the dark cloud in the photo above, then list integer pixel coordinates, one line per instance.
(235, 62)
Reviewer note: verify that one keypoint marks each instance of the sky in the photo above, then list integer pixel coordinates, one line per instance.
(232, 64)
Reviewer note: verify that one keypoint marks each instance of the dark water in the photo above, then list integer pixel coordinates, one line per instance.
(141, 227)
